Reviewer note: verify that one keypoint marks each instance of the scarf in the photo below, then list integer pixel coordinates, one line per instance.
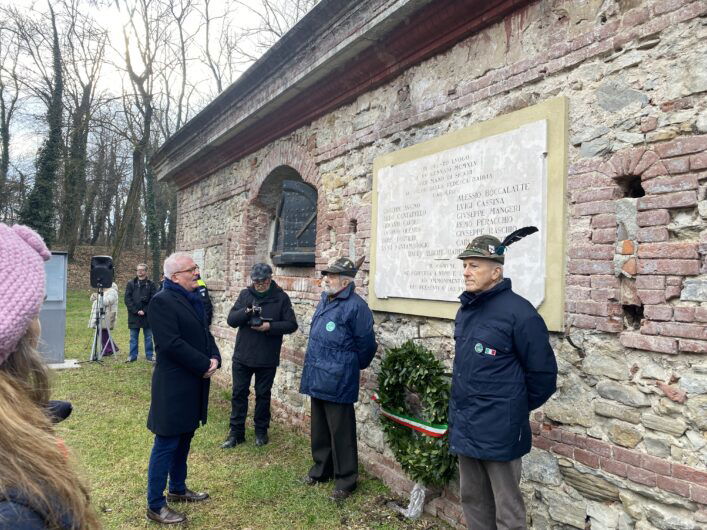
(193, 297)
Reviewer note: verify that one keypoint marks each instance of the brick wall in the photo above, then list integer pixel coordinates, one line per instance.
(622, 443)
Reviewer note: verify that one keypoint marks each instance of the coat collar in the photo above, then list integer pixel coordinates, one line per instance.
(183, 300)
(468, 298)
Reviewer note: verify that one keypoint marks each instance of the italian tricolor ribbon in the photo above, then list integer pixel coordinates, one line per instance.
(428, 429)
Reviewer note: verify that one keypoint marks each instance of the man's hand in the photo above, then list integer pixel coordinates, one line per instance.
(212, 369)
(141, 313)
(265, 326)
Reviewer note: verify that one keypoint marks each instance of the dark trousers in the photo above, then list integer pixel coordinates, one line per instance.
(490, 494)
(334, 447)
(168, 458)
(242, 376)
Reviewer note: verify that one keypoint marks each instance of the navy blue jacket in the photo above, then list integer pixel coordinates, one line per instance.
(341, 344)
(17, 513)
(504, 367)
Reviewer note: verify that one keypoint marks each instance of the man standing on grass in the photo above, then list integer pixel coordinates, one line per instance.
(187, 356)
(504, 367)
(341, 344)
(263, 315)
(138, 294)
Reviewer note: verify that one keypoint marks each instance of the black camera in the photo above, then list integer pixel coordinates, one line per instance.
(255, 318)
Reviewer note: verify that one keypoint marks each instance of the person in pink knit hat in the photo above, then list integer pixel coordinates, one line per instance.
(39, 488)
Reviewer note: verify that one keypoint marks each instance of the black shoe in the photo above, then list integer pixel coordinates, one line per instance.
(131, 361)
(232, 441)
(261, 439)
(340, 495)
(187, 496)
(308, 481)
(166, 515)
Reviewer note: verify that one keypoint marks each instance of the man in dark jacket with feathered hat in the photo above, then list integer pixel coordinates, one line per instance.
(504, 367)
(263, 315)
(341, 344)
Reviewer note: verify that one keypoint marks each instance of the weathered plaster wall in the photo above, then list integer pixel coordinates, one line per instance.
(623, 442)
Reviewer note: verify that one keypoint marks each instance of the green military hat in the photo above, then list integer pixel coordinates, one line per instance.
(486, 246)
(343, 266)
(490, 247)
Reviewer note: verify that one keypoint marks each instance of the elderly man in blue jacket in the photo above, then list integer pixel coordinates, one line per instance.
(504, 367)
(341, 344)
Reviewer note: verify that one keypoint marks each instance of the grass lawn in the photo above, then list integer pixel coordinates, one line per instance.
(251, 487)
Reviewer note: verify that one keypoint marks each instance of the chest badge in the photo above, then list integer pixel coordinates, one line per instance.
(330, 326)
(490, 351)
(479, 347)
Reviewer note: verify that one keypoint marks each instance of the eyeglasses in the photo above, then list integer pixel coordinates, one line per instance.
(192, 270)
(261, 282)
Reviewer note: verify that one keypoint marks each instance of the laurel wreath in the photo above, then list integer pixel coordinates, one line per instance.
(413, 368)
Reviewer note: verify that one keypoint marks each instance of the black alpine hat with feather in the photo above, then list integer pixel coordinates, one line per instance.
(490, 247)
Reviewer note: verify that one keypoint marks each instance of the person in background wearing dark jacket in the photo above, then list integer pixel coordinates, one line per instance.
(341, 344)
(203, 291)
(138, 294)
(504, 367)
(187, 357)
(257, 350)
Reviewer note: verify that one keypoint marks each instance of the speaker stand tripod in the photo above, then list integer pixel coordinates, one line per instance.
(97, 350)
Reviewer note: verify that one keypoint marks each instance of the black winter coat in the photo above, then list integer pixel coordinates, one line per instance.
(185, 346)
(504, 367)
(260, 349)
(137, 297)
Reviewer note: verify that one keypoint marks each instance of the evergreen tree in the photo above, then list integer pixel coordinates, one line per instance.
(38, 210)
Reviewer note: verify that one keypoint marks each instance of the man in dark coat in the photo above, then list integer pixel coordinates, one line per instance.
(257, 350)
(504, 367)
(341, 344)
(138, 294)
(187, 356)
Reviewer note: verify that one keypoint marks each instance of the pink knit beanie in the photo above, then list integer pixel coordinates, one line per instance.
(22, 257)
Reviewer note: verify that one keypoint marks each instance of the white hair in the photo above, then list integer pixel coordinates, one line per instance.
(171, 264)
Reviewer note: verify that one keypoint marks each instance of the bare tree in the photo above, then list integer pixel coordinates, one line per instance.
(9, 96)
(84, 51)
(274, 19)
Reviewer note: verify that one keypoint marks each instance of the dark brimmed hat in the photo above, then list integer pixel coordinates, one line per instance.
(343, 266)
(488, 247)
(260, 271)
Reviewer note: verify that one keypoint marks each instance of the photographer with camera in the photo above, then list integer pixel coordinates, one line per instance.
(263, 314)
(138, 294)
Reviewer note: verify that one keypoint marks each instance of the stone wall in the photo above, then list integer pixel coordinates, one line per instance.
(622, 443)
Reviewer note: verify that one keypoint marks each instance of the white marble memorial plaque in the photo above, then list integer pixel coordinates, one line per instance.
(430, 208)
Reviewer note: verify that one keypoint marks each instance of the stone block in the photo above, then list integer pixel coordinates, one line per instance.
(613, 96)
(694, 384)
(541, 466)
(624, 434)
(610, 409)
(694, 289)
(605, 366)
(626, 218)
(672, 393)
(626, 394)
(591, 486)
(676, 427)
(657, 446)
